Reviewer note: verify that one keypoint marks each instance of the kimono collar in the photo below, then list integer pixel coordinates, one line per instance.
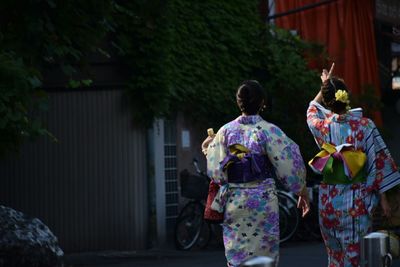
(249, 119)
(349, 115)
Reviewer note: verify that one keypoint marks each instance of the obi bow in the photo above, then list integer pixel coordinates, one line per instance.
(353, 160)
(239, 153)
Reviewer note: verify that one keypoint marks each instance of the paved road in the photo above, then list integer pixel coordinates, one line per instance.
(292, 254)
(299, 254)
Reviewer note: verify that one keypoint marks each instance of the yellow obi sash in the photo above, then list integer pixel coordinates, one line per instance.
(340, 165)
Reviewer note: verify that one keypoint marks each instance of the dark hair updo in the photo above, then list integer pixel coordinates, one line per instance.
(250, 97)
(328, 90)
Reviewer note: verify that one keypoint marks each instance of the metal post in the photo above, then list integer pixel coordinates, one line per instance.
(375, 250)
(157, 168)
(259, 261)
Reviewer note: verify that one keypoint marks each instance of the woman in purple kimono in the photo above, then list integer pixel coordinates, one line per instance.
(357, 170)
(241, 159)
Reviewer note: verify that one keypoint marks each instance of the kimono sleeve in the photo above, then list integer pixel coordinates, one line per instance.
(216, 152)
(285, 156)
(382, 172)
(316, 115)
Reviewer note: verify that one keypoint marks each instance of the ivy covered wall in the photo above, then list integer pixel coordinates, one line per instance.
(180, 55)
(191, 57)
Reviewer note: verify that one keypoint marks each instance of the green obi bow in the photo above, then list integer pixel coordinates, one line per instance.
(340, 165)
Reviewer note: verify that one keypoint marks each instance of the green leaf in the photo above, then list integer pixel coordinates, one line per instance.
(68, 70)
(104, 53)
(51, 3)
(74, 84)
(87, 82)
(35, 82)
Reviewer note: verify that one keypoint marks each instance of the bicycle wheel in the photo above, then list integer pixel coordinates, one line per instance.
(284, 221)
(288, 216)
(188, 226)
(216, 233)
(204, 236)
(190, 208)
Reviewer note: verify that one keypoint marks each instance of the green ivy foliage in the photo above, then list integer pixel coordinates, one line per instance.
(190, 57)
(17, 95)
(182, 56)
(143, 46)
(43, 32)
(37, 35)
(291, 85)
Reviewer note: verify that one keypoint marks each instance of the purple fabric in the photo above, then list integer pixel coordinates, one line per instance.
(319, 163)
(250, 168)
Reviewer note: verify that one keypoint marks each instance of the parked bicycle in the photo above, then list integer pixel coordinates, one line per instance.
(191, 230)
(289, 215)
(300, 228)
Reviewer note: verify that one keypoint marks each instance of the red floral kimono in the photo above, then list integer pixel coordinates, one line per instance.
(345, 208)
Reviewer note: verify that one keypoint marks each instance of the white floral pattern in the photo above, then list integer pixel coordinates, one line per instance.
(251, 218)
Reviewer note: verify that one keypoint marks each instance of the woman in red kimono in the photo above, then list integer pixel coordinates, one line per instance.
(357, 170)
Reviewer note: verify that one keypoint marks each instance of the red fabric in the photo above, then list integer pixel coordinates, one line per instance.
(210, 215)
(346, 28)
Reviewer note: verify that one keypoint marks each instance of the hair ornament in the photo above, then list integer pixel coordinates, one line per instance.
(343, 96)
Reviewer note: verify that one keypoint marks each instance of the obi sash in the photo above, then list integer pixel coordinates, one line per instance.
(340, 165)
(242, 166)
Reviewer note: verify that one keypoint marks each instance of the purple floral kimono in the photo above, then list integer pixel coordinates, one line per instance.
(251, 217)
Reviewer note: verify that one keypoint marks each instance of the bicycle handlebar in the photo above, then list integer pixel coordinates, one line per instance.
(196, 166)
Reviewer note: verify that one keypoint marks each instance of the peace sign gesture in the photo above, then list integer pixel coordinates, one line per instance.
(325, 75)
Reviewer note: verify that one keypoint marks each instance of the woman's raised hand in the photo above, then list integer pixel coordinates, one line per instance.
(325, 75)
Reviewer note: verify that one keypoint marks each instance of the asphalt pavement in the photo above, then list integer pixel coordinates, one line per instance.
(308, 254)
(293, 254)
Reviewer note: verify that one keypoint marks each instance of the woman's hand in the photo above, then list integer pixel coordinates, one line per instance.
(303, 202)
(206, 143)
(325, 75)
(386, 210)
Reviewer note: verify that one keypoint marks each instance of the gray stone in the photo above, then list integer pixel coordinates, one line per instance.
(26, 241)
